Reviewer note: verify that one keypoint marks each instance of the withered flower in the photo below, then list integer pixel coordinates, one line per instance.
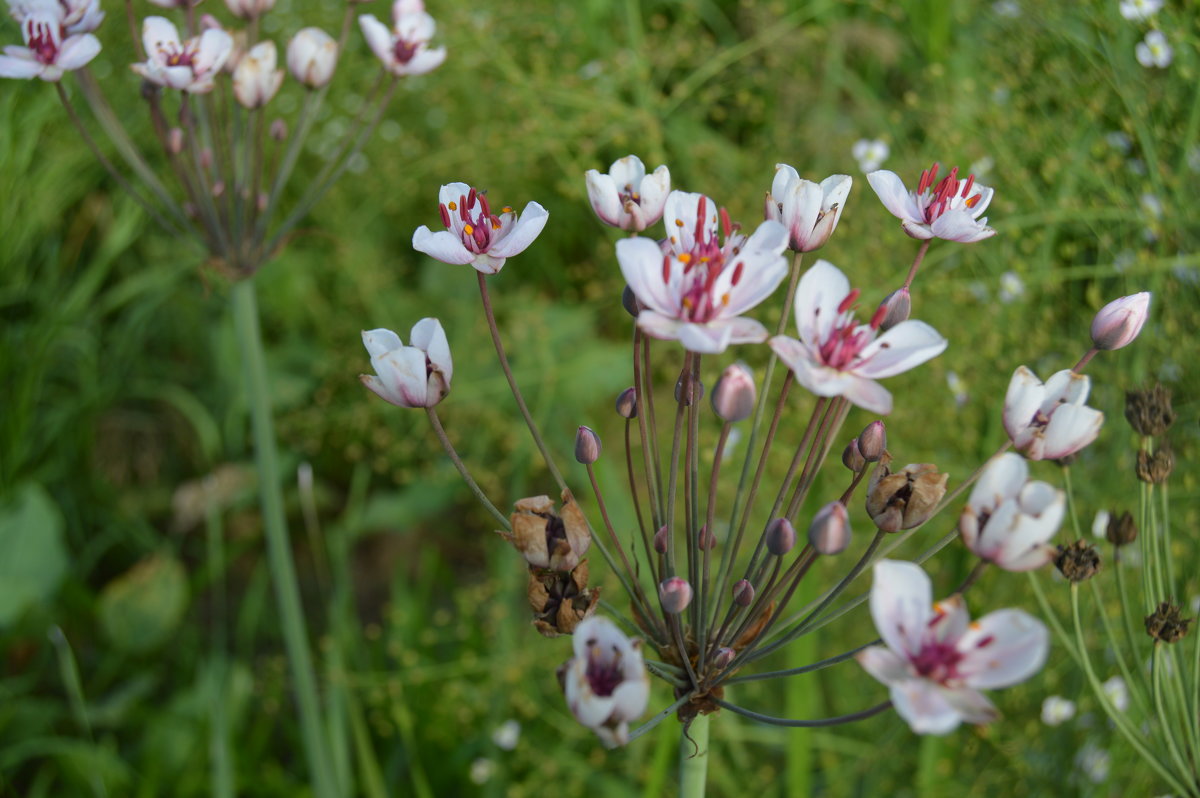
(1121, 529)
(560, 600)
(1167, 623)
(1149, 412)
(904, 499)
(546, 539)
(1079, 561)
(1156, 468)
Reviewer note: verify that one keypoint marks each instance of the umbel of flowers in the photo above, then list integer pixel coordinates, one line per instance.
(711, 585)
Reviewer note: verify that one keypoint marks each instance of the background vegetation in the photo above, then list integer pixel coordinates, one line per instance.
(140, 646)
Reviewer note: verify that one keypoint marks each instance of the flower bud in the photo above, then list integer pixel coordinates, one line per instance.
(707, 540)
(311, 57)
(554, 541)
(218, 188)
(723, 656)
(734, 396)
(897, 306)
(905, 499)
(743, 593)
(629, 301)
(872, 441)
(1078, 561)
(829, 532)
(587, 445)
(256, 80)
(675, 594)
(1149, 412)
(1167, 623)
(781, 536)
(852, 458)
(1120, 321)
(1121, 530)
(694, 392)
(279, 130)
(627, 403)
(175, 141)
(206, 158)
(661, 537)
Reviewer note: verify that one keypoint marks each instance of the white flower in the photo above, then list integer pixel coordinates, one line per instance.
(950, 209)
(189, 66)
(870, 153)
(507, 734)
(256, 80)
(249, 9)
(51, 47)
(1008, 519)
(935, 660)
(482, 770)
(837, 356)
(75, 16)
(1153, 51)
(1140, 10)
(474, 234)
(1050, 421)
(606, 685)
(312, 54)
(1057, 710)
(1012, 287)
(1100, 524)
(410, 376)
(1117, 693)
(809, 211)
(1093, 762)
(404, 50)
(958, 388)
(696, 291)
(627, 197)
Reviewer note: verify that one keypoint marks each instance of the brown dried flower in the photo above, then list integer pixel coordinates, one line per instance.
(1167, 623)
(906, 498)
(546, 539)
(560, 600)
(1149, 412)
(1156, 468)
(1121, 529)
(1079, 561)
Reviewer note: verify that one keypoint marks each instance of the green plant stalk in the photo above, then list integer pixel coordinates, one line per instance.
(1163, 712)
(220, 751)
(279, 554)
(693, 758)
(799, 699)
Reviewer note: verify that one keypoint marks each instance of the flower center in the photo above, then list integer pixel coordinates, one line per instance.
(41, 37)
(604, 676)
(935, 199)
(701, 266)
(480, 227)
(937, 661)
(405, 50)
(848, 338)
(178, 55)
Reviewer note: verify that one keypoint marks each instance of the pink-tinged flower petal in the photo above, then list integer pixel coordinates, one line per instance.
(801, 206)
(1071, 428)
(971, 705)
(602, 194)
(215, 46)
(486, 264)
(658, 325)
(950, 619)
(1065, 387)
(16, 67)
(1120, 321)
(679, 214)
(822, 288)
(900, 601)
(426, 60)
(764, 269)
(885, 665)
(1021, 402)
(381, 341)
(641, 263)
(744, 330)
(1032, 559)
(895, 197)
(707, 339)
(159, 32)
(1001, 479)
(178, 77)
(836, 188)
(631, 696)
(1001, 523)
(917, 230)
(868, 394)
(379, 39)
(1003, 648)
(784, 176)
(655, 188)
(77, 51)
(527, 228)
(905, 346)
(985, 198)
(924, 707)
(402, 373)
(442, 245)
(428, 336)
(957, 224)
(627, 173)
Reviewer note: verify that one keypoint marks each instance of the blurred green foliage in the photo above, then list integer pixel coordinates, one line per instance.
(124, 426)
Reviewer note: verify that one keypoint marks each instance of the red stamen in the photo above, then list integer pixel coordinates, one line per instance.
(483, 203)
(666, 269)
(849, 301)
(967, 188)
(877, 319)
(470, 203)
(701, 209)
(726, 225)
(737, 272)
(933, 171)
(445, 214)
(462, 208)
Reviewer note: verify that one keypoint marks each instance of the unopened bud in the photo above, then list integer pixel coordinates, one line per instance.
(263, 201)
(206, 158)
(675, 594)
(627, 403)
(683, 395)
(209, 22)
(175, 140)
(707, 540)
(629, 301)
(1121, 529)
(279, 130)
(218, 188)
(872, 441)
(1078, 561)
(311, 57)
(743, 593)
(734, 396)
(781, 536)
(897, 306)
(1120, 321)
(829, 532)
(904, 499)
(660, 539)
(852, 458)
(587, 445)
(1149, 412)
(723, 656)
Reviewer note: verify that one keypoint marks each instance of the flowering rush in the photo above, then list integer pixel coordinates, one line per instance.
(837, 356)
(949, 209)
(606, 684)
(935, 660)
(1008, 519)
(57, 39)
(190, 66)
(474, 234)
(810, 211)
(404, 50)
(627, 197)
(410, 376)
(1049, 420)
(697, 290)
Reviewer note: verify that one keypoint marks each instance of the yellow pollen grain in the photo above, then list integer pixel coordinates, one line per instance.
(468, 229)
(452, 205)
(679, 222)
(687, 303)
(686, 257)
(975, 625)
(704, 259)
(725, 299)
(506, 209)
(495, 225)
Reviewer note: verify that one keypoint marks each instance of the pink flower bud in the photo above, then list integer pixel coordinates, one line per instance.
(707, 539)
(829, 532)
(872, 441)
(723, 656)
(897, 307)
(675, 594)
(660, 539)
(627, 403)
(218, 188)
(279, 130)
(1120, 321)
(781, 537)
(587, 445)
(743, 593)
(175, 141)
(734, 397)
(852, 458)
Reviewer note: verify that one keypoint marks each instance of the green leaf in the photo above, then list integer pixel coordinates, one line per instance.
(141, 607)
(33, 557)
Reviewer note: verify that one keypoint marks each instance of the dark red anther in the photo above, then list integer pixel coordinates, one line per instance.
(849, 301)
(933, 171)
(496, 225)
(880, 314)
(987, 640)
(701, 210)
(726, 225)
(967, 188)
(462, 209)
(482, 236)
(737, 272)
(483, 203)
(445, 213)
(470, 203)
(666, 268)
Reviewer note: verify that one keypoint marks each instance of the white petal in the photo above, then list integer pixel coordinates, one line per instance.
(1001, 479)
(764, 268)
(379, 39)
(215, 46)
(641, 263)
(426, 60)
(527, 228)
(442, 245)
(822, 288)
(784, 177)
(1065, 387)
(924, 707)
(402, 373)
(867, 394)
(428, 336)
(971, 705)
(836, 188)
(655, 187)
(884, 664)
(959, 225)
(905, 346)
(627, 171)
(1071, 428)
(917, 230)
(895, 197)
(158, 31)
(24, 68)
(602, 194)
(743, 330)
(1021, 402)
(801, 206)
(900, 604)
(77, 51)
(630, 698)
(707, 339)
(379, 342)
(657, 325)
(1003, 648)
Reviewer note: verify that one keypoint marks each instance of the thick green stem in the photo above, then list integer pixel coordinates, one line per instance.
(279, 554)
(693, 758)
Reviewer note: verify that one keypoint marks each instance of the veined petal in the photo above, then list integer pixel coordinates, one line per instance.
(159, 32)
(1024, 397)
(895, 197)
(442, 245)
(905, 346)
(77, 51)
(627, 171)
(402, 372)
(602, 194)
(867, 394)
(763, 270)
(1065, 387)
(917, 230)
(1003, 648)
(924, 707)
(957, 224)
(836, 188)
(743, 330)
(1071, 428)
(658, 325)
(900, 604)
(527, 228)
(641, 263)
(784, 177)
(822, 288)
(801, 205)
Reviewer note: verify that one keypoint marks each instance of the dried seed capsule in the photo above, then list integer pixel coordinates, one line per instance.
(1079, 561)
(1121, 529)
(1167, 623)
(1149, 412)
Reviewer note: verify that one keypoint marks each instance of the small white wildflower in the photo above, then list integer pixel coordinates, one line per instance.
(1139, 10)
(870, 153)
(982, 167)
(1117, 693)
(1012, 287)
(1153, 51)
(1124, 259)
(1057, 710)
(1100, 524)
(507, 735)
(1119, 141)
(1007, 8)
(1094, 762)
(1151, 205)
(958, 388)
(482, 770)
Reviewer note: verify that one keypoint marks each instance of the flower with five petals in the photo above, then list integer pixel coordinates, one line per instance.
(410, 376)
(1050, 420)
(474, 234)
(189, 66)
(935, 660)
(1008, 518)
(627, 197)
(809, 211)
(949, 209)
(404, 50)
(606, 685)
(837, 356)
